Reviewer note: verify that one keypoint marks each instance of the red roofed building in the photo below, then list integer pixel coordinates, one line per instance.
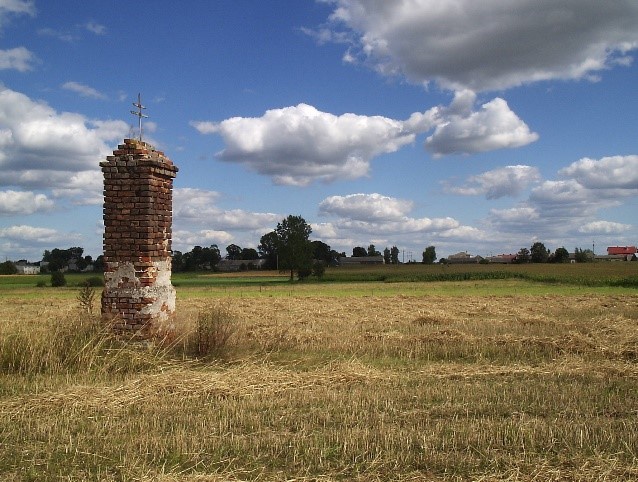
(622, 250)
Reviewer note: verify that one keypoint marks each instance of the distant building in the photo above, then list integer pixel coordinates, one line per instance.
(27, 268)
(235, 265)
(463, 258)
(626, 250)
(365, 260)
(614, 257)
(502, 259)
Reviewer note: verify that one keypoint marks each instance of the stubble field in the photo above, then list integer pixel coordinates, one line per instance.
(475, 380)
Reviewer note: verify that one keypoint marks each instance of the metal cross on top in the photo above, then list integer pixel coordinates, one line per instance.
(139, 114)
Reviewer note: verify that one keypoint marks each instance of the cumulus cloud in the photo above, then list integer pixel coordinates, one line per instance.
(384, 220)
(36, 235)
(487, 45)
(19, 58)
(41, 148)
(569, 207)
(185, 240)
(83, 90)
(460, 130)
(14, 203)
(604, 227)
(199, 207)
(298, 145)
(365, 207)
(616, 172)
(506, 181)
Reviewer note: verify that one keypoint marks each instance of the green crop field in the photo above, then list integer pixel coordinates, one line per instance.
(519, 373)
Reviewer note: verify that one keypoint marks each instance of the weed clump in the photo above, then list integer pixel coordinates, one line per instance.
(214, 328)
(85, 298)
(57, 279)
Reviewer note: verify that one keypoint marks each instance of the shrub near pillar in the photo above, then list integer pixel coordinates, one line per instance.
(138, 202)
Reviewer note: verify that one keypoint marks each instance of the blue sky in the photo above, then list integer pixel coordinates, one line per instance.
(471, 126)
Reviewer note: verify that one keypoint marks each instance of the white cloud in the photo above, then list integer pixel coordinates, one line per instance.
(84, 188)
(95, 28)
(17, 7)
(19, 58)
(83, 90)
(298, 145)
(57, 34)
(604, 227)
(23, 203)
(566, 209)
(568, 198)
(461, 131)
(184, 240)
(199, 207)
(616, 172)
(384, 220)
(366, 207)
(498, 183)
(41, 148)
(33, 234)
(491, 44)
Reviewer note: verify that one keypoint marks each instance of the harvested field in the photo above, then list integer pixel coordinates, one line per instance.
(313, 385)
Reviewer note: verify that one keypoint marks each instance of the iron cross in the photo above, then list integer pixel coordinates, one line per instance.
(139, 114)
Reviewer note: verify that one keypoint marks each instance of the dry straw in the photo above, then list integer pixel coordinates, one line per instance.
(327, 388)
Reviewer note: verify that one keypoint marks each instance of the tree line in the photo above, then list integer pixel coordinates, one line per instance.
(538, 253)
(286, 248)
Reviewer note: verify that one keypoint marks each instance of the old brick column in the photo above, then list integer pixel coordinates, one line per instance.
(138, 202)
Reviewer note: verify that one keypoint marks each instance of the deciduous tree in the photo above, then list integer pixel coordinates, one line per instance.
(372, 251)
(249, 254)
(359, 252)
(268, 249)
(293, 246)
(386, 255)
(522, 256)
(233, 252)
(394, 255)
(561, 255)
(539, 253)
(429, 255)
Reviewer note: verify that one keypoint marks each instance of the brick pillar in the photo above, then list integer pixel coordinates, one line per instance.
(138, 203)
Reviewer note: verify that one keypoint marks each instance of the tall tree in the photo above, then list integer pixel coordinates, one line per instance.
(268, 249)
(359, 252)
(321, 252)
(293, 245)
(583, 255)
(561, 255)
(429, 255)
(522, 256)
(249, 254)
(60, 258)
(386, 255)
(372, 251)
(394, 255)
(233, 252)
(8, 267)
(539, 253)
